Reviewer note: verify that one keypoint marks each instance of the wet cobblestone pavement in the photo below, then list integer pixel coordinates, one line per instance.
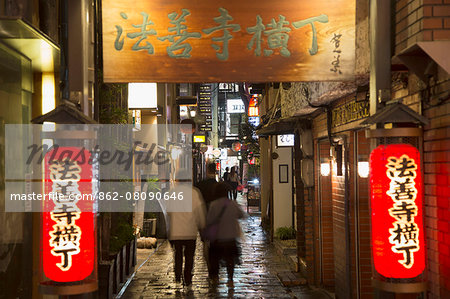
(254, 278)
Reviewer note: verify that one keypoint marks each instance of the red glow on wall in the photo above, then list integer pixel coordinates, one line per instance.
(68, 226)
(398, 245)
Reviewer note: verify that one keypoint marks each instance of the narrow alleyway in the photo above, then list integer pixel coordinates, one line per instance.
(256, 277)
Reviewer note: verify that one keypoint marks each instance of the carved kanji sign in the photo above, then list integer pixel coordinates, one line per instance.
(228, 41)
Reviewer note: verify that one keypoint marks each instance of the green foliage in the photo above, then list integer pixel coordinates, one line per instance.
(113, 100)
(246, 137)
(153, 184)
(246, 133)
(122, 232)
(150, 215)
(253, 171)
(285, 233)
(114, 115)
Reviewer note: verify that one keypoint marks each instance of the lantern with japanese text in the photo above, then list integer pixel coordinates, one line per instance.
(396, 199)
(397, 216)
(68, 251)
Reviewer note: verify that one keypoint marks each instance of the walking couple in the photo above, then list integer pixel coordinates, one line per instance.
(216, 217)
(232, 178)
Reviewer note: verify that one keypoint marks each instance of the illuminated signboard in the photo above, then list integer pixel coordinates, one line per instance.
(216, 153)
(285, 140)
(142, 96)
(68, 234)
(199, 138)
(396, 203)
(136, 119)
(228, 87)
(235, 106)
(204, 106)
(254, 121)
(223, 154)
(228, 40)
(253, 109)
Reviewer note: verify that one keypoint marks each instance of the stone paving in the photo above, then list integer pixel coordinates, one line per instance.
(254, 278)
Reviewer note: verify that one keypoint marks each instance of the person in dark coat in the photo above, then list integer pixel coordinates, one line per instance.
(225, 213)
(207, 188)
(208, 185)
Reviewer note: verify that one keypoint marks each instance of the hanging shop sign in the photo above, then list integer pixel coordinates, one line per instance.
(223, 154)
(228, 87)
(68, 234)
(228, 40)
(235, 106)
(397, 212)
(349, 112)
(286, 140)
(204, 106)
(254, 121)
(199, 138)
(142, 96)
(136, 114)
(216, 153)
(253, 109)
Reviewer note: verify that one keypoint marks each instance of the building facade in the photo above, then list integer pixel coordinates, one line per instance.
(333, 212)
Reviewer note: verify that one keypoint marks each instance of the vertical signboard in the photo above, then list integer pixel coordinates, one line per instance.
(253, 108)
(68, 234)
(397, 213)
(204, 105)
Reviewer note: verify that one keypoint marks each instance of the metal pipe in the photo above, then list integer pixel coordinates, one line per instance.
(356, 211)
(347, 219)
(63, 41)
(97, 30)
(380, 52)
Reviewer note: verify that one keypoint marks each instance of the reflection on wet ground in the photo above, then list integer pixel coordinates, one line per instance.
(254, 278)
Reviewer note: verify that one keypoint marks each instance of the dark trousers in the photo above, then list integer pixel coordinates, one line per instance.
(189, 251)
(223, 250)
(234, 191)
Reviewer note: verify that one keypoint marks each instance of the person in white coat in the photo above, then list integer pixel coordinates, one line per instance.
(183, 229)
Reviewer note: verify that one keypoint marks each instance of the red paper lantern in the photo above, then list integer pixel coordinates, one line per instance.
(236, 146)
(187, 126)
(398, 245)
(68, 234)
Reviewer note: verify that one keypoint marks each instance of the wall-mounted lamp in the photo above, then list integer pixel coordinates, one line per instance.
(363, 169)
(48, 92)
(193, 113)
(325, 169)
